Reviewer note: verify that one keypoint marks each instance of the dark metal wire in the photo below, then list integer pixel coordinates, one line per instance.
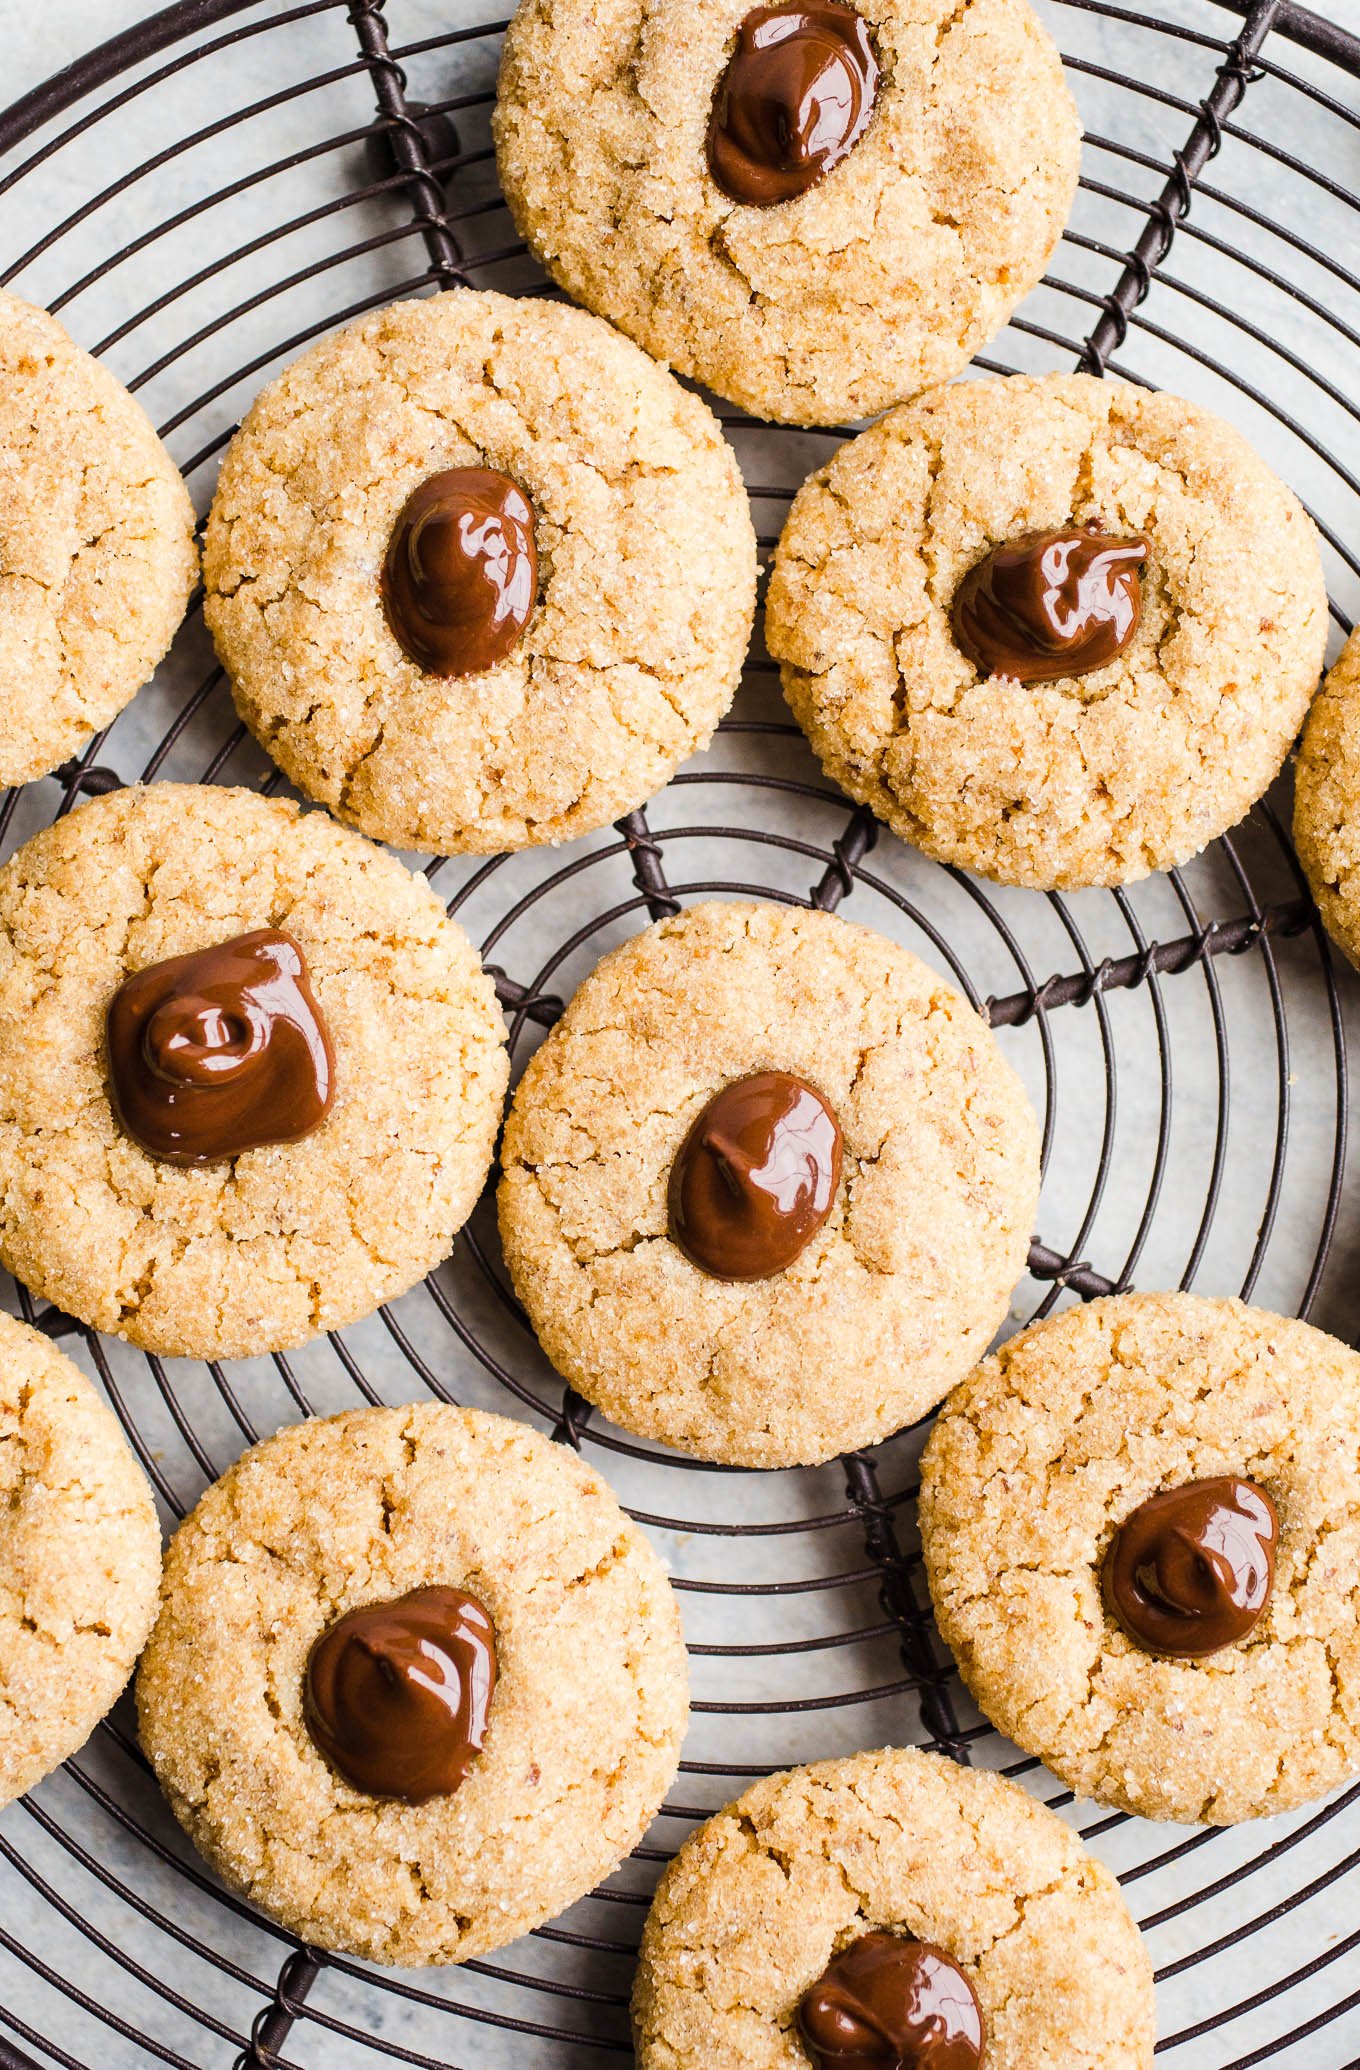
(867, 1530)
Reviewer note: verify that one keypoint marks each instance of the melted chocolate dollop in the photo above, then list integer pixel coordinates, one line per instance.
(1051, 604)
(755, 1177)
(221, 1051)
(794, 101)
(891, 2003)
(461, 574)
(1191, 1570)
(397, 1694)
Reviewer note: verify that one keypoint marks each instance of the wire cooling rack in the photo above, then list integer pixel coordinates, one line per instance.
(198, 199)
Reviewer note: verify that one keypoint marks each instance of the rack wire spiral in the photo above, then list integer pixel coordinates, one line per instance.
(357, 136)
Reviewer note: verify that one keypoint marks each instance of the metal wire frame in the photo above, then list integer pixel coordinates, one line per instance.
(839, 867)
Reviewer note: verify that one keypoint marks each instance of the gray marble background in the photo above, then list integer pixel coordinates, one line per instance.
(1242, 293)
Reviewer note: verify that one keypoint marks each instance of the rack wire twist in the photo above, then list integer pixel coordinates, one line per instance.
(408, 165)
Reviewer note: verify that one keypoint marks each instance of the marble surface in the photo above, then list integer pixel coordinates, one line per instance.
(1258, 315)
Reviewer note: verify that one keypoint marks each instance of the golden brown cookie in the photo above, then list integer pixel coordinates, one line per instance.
(1327, 799)
(763, 1897)
(883, 277)
(637, 622)
(80, 1558)
(1041, 1460)
(1096, 778)
(584, 1722)
(97, 554)
(259, 1251)
(898, 1287)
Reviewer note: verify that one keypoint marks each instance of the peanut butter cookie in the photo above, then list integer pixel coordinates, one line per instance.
(481, 574)
(417, 1682)
(1060, 631)
(250, 1072)
(1141, 1523)
(97, 554)
(80, 1558)
(767, 1186)
(1327, 800)
(814, 210)
(930, 1912)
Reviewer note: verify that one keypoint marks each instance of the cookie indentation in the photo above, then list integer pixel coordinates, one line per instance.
(815, 210)
(755, 1177)
(461, 573)
(221, 1051)
(569, 586)
(1191, 1570)
(957, 680)
(889, 2001)
(818, 1888)
(1050, 605)
(397, 1693)
(197, 1247)
(797, 96)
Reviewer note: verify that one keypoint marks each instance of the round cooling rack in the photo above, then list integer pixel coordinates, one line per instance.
(198, 199)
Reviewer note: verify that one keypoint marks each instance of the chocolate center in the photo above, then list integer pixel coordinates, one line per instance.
(221, 1051)
(397, 1694)
(755, 1177)
(1191, 1570)
(794, 101)
(461, 574)
(891, 2003)
(1051, 604)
